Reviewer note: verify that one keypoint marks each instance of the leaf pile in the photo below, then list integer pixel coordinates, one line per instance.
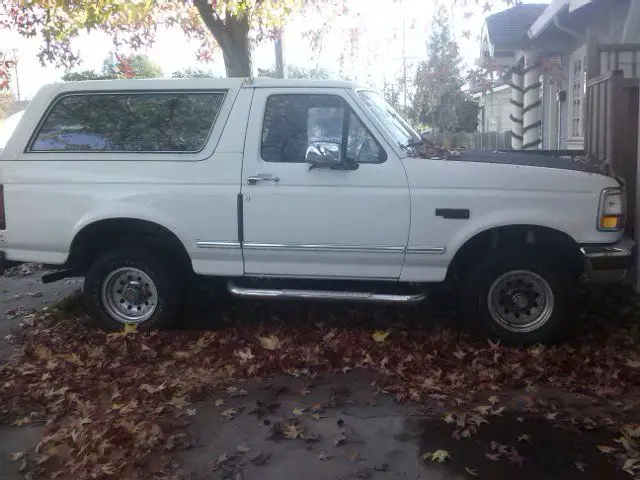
(115, 404)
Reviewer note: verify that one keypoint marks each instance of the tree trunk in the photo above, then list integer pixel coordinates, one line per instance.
(236, 49)
(232, 35)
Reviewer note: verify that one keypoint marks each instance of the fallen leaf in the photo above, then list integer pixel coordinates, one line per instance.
(291, 430)
(483, 409)
(437, 456)
(244, 354)
(219, 401)
(551, 415)
(127, 329)
(471, 471)
(493, 456)
(524, 438)
(191, 411)
(631, 465)
(230, 412)
(380, 335)
(352, 456)
(270, 343)
(341, 440)
(178, 401)
(221, 459)
(607, 449)
(498, 411)
(324, 456)
(633, 431)
(449, 417)
(580, 466)
(243, 448)
(317, 416)
(493, 400)
(299, 411)
(15, 456)
(22, 421)
(459, 354)
(43, 353)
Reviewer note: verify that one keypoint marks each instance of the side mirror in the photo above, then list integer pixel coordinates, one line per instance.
(324, 154)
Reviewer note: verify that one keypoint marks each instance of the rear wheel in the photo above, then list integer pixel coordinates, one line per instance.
(519, 296)
(131, 286)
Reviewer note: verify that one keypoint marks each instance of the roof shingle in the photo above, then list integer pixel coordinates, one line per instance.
(509, 28)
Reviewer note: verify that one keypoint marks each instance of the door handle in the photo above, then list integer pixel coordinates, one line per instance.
(262, 177)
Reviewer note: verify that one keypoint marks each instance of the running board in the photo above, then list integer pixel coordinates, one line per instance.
(282, 293)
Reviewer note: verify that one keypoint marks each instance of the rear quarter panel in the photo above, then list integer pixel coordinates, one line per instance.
(50, 197)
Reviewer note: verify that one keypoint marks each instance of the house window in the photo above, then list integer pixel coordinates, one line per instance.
(578, 91)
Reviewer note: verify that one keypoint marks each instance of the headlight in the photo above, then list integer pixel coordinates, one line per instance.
(611, 217)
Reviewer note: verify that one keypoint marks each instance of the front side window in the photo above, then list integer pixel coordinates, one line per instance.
(292, 122)
(129, 122)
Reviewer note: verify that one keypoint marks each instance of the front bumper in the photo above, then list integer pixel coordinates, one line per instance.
(608, 262)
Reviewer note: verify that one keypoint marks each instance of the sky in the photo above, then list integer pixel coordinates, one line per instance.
(379, 56)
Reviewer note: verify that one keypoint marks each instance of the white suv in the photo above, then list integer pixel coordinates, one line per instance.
(294, 189)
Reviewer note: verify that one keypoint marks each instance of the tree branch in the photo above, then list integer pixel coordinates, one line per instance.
(212, 21)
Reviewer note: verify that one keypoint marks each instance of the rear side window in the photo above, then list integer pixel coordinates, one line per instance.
(129, 122)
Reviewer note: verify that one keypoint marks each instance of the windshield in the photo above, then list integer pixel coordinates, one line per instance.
(7, 127)
(392, 122)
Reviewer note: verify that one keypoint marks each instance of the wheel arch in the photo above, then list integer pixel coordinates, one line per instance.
(103, 234)
(553, 240)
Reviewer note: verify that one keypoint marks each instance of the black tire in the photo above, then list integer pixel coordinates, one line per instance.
(166, 279)
(476, 286)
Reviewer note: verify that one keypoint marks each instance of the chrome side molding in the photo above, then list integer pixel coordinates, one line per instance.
(281, 293)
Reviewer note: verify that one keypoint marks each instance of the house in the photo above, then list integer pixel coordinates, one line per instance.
(504, 30)
(494, 109)
(547, 54)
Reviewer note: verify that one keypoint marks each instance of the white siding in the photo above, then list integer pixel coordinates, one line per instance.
(497, 108)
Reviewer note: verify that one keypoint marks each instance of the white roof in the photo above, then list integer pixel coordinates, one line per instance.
(544, 20)
(199, 83)
(264, 82)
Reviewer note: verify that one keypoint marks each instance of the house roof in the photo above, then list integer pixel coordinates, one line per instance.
(509, 28)
(545, 19)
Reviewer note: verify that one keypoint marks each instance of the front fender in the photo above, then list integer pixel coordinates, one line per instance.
(512, 217)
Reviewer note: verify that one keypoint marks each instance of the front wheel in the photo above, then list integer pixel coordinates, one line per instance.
(131, 286)
(519, 296)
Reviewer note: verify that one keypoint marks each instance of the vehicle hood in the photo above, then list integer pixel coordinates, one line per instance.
(528, 159)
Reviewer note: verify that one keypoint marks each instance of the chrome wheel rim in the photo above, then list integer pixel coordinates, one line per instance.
(129, 295)
(520, 301)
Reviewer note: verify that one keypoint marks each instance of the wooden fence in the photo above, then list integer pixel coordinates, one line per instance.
(611, 131)
(473, 141)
